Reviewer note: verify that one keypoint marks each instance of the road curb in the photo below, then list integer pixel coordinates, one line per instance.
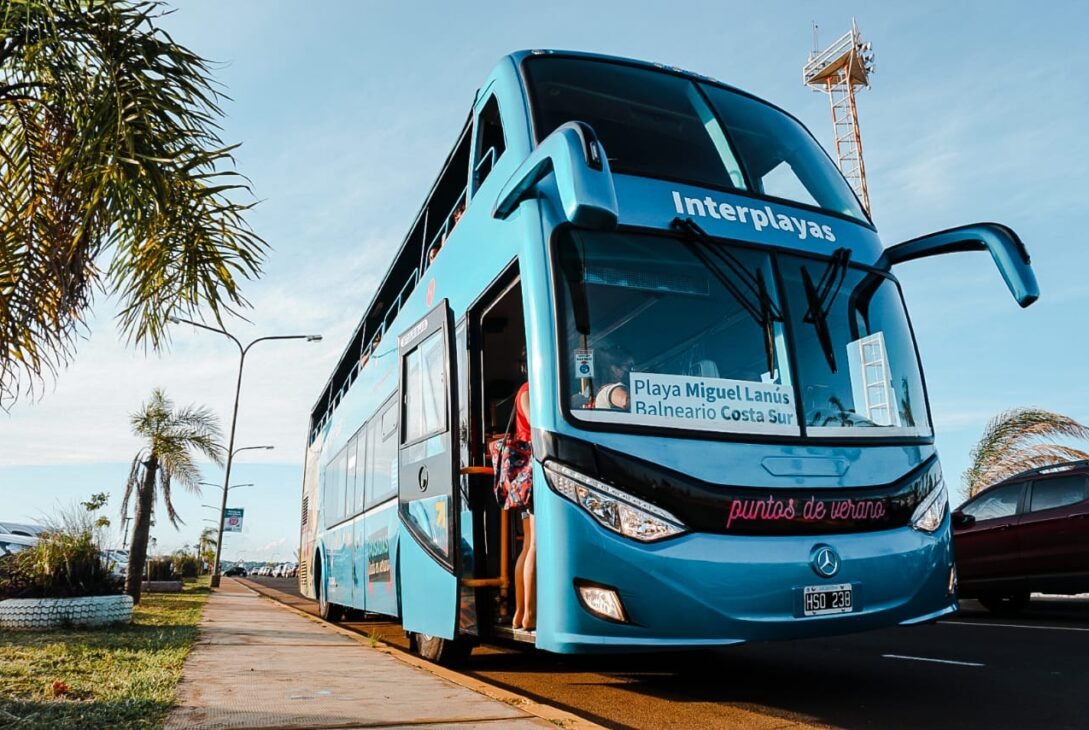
(554, 715)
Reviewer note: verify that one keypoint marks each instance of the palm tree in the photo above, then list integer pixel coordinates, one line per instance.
(172, 436)
(113, 177)
(1016, 440)
(207, 550)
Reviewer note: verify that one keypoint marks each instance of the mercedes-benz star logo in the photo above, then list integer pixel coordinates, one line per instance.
(825, 562)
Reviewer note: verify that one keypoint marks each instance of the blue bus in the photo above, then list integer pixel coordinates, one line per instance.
(768, 472)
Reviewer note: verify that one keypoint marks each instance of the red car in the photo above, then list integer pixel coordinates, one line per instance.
(1029, 533)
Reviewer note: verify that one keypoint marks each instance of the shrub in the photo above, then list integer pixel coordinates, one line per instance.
(63, 564)
(160, 569)
(186, 565)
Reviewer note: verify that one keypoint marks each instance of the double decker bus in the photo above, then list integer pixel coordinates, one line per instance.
(768, 470)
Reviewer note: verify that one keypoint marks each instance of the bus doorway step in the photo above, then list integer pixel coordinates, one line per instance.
(512, 634)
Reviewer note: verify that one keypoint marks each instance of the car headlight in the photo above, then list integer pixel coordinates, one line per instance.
(929, 514)
(620, 512)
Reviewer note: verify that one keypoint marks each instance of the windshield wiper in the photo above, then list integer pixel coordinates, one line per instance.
(747, 288)
(820, 298)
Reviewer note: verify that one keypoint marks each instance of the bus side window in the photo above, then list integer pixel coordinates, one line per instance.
(489, 141)
(382, 456)
(351, 468)
(361, 485)
(333, 486)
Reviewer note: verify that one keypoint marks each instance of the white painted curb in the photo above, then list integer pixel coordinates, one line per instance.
(35, 614)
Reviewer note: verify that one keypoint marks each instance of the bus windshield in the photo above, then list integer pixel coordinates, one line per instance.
(690, 334)
(663, 125)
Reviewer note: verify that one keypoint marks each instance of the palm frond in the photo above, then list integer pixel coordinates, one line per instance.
(136, 474)
(110, 146)
(176, 459)
(1016, 440)
(199, 428)
(164, 487)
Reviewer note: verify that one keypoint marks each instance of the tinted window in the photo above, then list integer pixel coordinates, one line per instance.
(350, 476)
(649, 123)
(662, 125)
(490, 141)
(997, 502)
(1057, 492)
(425, 389)
(382, 456)
(360, 445)
(661, 332)
(782, 158)
(856, 361)
(333, 488)
(657, 331)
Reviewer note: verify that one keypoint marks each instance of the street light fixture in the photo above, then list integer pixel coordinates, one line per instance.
(233, 486)
(231, 451)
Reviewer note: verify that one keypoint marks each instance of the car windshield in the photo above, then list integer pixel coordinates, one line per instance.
(692, 334)
(664, 125)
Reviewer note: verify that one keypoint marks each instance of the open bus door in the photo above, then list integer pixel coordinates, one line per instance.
(428, 494)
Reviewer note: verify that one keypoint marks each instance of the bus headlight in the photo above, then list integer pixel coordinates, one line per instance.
(929, 514)
(620, 512)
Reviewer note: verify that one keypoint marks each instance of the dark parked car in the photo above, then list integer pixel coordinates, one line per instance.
(235, 571)
(1029, 533)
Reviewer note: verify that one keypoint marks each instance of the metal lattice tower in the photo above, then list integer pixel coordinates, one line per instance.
(837, 71)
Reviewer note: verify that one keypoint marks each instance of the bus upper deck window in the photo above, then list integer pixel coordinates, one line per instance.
(782, 158)
(489, 142)
(649, 123)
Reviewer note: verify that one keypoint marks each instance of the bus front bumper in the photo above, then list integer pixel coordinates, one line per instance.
(701, 590)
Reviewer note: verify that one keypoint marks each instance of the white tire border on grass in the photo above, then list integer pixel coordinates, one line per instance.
(36, 614)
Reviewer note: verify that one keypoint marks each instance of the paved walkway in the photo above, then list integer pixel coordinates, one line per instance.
(258, 665)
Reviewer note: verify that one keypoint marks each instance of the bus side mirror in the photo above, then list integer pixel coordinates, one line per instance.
(573, 154)
(1009, 253)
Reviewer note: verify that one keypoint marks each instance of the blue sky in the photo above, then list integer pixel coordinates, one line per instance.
(347, 109)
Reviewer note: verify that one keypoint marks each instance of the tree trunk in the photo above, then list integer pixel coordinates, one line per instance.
(141, 528)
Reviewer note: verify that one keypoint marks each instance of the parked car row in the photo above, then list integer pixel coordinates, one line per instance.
(117, 561)
(1026, 534)
(282, 570)
(15, 537)
(11, 544)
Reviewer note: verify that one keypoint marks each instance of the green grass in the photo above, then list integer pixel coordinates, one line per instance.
(119, 677)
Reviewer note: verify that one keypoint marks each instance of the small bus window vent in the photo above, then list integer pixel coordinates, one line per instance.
(305, 510)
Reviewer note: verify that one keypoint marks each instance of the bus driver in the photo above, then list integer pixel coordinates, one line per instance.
(616, 364)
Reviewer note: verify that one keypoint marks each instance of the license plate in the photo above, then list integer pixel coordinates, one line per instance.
(823, 600)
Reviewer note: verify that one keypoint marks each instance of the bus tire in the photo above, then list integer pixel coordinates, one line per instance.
(444, 652)
(328, 611)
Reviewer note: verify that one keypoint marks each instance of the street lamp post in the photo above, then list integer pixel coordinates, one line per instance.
(242, 350)
(226, 489)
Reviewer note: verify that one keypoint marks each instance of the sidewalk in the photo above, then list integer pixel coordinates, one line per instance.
(258, 665)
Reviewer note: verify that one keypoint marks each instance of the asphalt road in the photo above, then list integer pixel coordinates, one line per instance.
(972, 670)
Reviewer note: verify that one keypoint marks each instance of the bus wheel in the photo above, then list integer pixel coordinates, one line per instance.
(331, 612)
(1006, 605)
(445, 652)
